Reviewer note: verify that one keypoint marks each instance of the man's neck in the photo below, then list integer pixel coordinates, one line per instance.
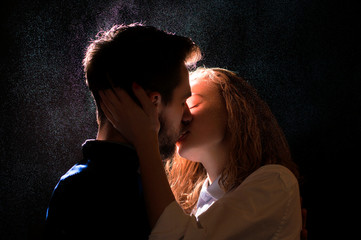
(106, 132)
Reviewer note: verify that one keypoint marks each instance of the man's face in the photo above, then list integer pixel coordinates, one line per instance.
(175, 116)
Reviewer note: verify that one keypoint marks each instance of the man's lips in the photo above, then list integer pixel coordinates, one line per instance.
(183, 136)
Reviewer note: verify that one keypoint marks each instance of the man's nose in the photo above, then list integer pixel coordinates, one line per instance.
(187, 116)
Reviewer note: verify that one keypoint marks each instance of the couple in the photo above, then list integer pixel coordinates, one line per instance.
(232, 178)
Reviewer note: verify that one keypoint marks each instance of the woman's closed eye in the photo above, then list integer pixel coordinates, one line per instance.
(193, 106)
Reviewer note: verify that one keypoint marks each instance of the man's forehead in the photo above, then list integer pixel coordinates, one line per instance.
(188, 89)
(188, 93)
(185, 85)
(183, 90)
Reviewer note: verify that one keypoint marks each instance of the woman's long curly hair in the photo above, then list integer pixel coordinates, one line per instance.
(255, 138)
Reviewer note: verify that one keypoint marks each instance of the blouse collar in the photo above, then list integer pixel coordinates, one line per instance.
(213, 189)
(209, 194)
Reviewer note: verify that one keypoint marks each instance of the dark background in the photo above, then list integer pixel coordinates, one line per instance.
(303, 57)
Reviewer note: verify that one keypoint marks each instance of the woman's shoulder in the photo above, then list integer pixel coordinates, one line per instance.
(268, 197)
(269, 178)
(285, 175)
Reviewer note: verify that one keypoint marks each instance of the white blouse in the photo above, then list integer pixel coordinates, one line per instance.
(266, 205)
(209, 194)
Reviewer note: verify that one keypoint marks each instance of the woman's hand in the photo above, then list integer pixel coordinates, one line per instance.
(140, 126)
(137, 124)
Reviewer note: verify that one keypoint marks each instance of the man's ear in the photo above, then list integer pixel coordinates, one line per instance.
(156, 98)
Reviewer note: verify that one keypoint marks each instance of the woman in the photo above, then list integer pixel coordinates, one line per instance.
(234, 178)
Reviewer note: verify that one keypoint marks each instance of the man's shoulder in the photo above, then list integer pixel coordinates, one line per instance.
(74, 179)
(74, 172)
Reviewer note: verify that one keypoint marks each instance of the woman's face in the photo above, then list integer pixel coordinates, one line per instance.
(207, 129)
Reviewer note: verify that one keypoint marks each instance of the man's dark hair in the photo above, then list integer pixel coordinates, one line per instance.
(136, 53)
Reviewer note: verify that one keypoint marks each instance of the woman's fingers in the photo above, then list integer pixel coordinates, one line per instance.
(148, 106)
(122, 110)
(144, 100)
(107, 113)
(125, 99)
(107, 106)
(119, 97)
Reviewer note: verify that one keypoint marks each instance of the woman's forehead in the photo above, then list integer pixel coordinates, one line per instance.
(202, 85)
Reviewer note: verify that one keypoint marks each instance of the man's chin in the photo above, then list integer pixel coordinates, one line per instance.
(167, 151)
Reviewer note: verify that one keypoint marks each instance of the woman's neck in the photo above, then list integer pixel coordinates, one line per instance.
(214, 161)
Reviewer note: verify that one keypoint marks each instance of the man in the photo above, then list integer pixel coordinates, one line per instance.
(101, 196)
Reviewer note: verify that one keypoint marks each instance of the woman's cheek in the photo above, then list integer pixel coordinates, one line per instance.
(206, 129)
